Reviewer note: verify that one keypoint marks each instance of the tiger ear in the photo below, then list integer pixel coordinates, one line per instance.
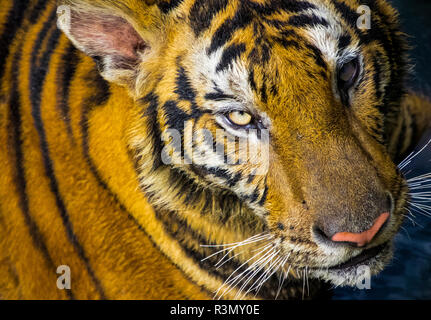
(109, 32)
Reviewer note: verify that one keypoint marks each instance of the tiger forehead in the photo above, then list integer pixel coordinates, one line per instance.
(255, 27)
(244, 47)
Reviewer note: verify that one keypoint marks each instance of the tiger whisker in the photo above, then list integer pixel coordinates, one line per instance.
(283, 276)
(276, 266)
(235, 243)
(269, 246)
(220, 262)
(254, 269)
(412, 155)
(407, 233)
(261, 267)
(229, 282)
(252, 275)
(237, 280)
(262, 278)
(233, 246)
(411, 220)
(303, 284)
(218, 265)
(422, 209)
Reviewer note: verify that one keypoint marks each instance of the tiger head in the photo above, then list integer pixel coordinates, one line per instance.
(306, 101)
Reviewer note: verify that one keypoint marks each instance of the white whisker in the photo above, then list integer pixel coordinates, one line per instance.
(230, 282)
(251, 270)
(407, 233)
(263, 235)
(413, 155)
(261, 267)
(231, 247)
(276, 266)
(263, 277)
(283, 276)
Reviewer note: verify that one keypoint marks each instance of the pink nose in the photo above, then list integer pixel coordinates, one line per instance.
(363, 238)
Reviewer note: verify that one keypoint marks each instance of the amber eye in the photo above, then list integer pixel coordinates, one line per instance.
(347, 76)
(240, 118)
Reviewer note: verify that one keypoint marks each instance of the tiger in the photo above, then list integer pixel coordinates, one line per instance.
(113, 185)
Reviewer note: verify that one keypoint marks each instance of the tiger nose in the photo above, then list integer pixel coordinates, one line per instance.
(363, 238)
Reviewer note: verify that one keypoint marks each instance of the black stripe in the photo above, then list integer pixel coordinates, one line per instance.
(377, 75)
(37, 78)
(254, 196)
(169, 5)
(287, 43)
(232, 182)
(21, 183)
(350, 16)
(291, 5)
(230, 54)
(203, 12)
(69, 62)
(260, 54)
(153, 126)
(317, 55)
(305, 20)
(401, 138)
(176, 117)
(264, 196)
(251, 80)
(37, 10)
(274, 6)
(218, 96)
(217, 172)
(263, 93)
(242, 18)
(13, 23)
(185, 91)
(251, 177)
(247, 11)
(344, 41)
(290, 33)
(184, 87)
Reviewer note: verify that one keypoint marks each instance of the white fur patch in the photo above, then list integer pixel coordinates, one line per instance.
(326, 38)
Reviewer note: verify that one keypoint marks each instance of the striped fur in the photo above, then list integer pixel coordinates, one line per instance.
(83, 132)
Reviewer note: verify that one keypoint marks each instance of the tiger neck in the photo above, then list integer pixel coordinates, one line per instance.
(174, 212)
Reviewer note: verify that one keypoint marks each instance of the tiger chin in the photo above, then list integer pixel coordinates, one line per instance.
(199, 149)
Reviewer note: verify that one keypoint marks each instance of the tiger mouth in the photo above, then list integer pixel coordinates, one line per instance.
(348, 273)
(363, 258)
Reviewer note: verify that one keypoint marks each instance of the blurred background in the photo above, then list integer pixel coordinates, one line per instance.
(409, 275)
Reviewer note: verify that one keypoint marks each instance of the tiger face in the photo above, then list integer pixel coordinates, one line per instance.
(304, 102)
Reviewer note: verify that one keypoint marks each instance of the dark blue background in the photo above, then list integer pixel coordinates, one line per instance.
(409, 275)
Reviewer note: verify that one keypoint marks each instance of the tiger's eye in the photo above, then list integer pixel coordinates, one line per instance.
(348, 72)
(240, 118)
(347, 77)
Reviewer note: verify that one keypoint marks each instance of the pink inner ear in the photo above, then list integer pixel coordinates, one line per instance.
(103, 35)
